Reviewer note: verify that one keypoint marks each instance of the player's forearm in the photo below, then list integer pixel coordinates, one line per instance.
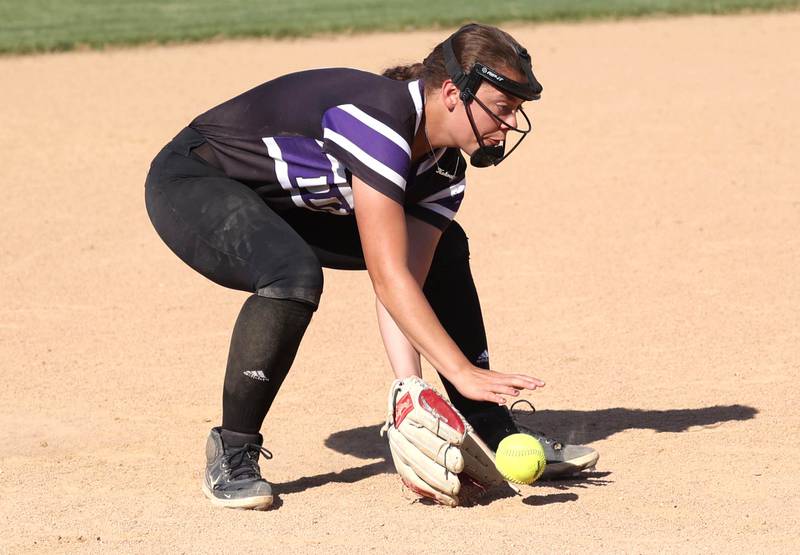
(403, 357)
(402, 297)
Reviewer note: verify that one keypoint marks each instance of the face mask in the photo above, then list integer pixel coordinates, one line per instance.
(468, 84)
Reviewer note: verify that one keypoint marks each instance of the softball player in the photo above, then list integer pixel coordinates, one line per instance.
(349, 170)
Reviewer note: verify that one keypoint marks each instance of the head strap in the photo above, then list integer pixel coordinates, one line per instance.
(468, 83)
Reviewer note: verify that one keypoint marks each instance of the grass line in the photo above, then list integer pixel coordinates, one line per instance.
(47, 25)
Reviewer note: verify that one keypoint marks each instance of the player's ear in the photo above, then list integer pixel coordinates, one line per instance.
(450, 94)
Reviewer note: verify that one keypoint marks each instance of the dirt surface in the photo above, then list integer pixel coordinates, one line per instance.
(640, 253)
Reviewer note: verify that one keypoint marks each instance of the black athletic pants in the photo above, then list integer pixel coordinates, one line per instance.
(226, 232)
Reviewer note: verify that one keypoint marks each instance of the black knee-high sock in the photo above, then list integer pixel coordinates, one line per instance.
(451, 292)
(265, 340)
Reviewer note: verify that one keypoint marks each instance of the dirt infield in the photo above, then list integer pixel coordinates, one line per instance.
(640, 253)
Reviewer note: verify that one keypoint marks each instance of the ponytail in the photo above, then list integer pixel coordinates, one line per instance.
(404, 73)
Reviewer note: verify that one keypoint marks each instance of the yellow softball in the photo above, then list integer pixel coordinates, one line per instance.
(520, 458)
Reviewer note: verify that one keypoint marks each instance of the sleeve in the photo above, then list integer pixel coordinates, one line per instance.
(371, 145)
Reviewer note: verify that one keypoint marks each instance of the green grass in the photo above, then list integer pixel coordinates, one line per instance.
(43, 25)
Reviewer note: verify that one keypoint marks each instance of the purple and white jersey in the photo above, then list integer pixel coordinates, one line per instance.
(298, 140)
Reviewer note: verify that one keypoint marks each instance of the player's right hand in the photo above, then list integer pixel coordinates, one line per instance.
(479, 384)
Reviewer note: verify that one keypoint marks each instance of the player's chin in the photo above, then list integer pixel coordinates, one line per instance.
(472, 147)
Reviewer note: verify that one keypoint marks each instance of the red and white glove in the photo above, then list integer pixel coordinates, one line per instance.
(431, 443)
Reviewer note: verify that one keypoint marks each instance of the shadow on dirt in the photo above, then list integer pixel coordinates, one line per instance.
(572, 426)
(549, 499)
(347, 476)
(586, 479)
(575, 426)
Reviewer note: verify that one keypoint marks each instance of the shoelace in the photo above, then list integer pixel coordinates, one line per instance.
(554, 443)
(247, 465)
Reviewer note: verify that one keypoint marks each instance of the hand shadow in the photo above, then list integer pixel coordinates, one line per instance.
(582, 427)
(571, 426)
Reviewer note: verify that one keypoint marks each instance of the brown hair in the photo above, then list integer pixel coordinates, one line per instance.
(472, 43)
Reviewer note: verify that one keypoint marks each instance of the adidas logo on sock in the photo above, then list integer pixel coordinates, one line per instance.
(256, 375)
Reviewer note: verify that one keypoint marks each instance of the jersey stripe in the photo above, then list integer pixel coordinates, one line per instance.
(439, 209)
(282, 170)
(378, 126)
(372, 137)
(454, 190)
(447, 201)
(364, 158)
(416, 97)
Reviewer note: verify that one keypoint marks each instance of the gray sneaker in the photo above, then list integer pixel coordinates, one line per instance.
(233, 478)
(563, 459)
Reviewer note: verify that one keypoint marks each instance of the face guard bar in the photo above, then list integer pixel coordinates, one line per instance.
(468, 84)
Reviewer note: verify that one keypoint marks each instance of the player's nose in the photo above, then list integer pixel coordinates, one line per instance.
(511, 121)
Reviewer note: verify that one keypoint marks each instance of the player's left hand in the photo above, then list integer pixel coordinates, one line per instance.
(480, 384)
(431, 443)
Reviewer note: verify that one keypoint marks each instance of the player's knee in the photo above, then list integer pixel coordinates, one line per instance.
(300, 279)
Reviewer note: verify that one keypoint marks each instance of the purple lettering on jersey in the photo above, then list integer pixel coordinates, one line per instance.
(314, 180)
(373, 137)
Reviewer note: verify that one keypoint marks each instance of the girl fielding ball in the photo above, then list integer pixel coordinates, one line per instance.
(345, 169)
